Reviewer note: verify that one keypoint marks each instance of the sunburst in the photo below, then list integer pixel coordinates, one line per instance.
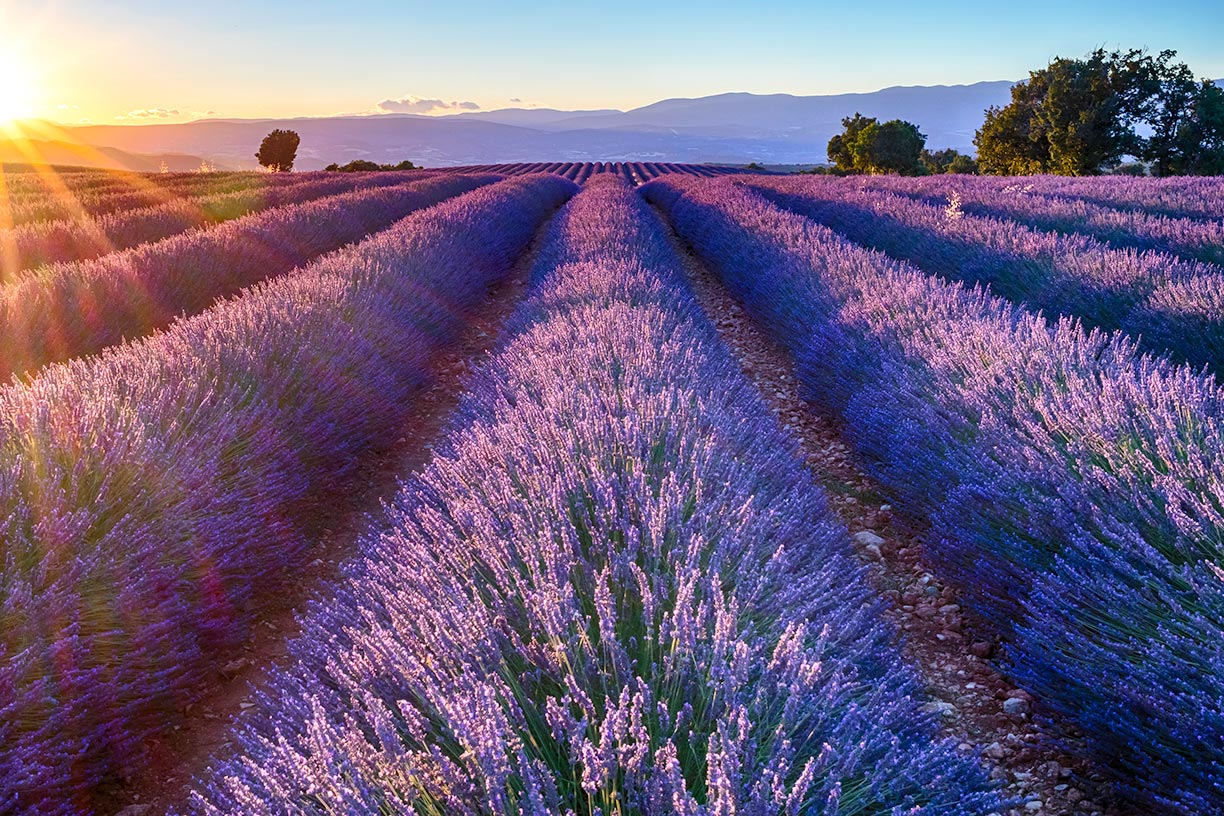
(17, 87)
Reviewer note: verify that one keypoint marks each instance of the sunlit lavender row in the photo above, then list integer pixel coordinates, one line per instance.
(1074, 487)
(53, 199)
(70, 310)
(35, 180)
(45, 242)
(614, 590)
(1171, 306)
(150, 497)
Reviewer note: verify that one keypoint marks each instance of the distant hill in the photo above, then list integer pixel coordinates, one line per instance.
(74, 155)
(732, 128)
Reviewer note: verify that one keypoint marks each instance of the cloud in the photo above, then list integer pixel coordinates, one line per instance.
(155, 114)
(150, 113)
(515, 99)
(415, 104)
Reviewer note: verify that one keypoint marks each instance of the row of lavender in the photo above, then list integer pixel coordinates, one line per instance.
(614, 590)
(1042, 205)
(66, 311)
(1172, 305)
(1199, 197)
(55, 200)
(149, 497)
(44, 180)
(1075, 487)
(77, 239)
(579, 172)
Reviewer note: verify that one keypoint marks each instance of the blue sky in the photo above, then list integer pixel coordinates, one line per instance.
(108, 60)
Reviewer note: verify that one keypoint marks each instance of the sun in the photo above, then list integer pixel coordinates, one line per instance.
(17, 88)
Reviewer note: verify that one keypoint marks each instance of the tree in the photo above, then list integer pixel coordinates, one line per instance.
(1188, 128)
(1081, 116)
(365, 165)
(1070, 118)
(890, 147)
(1008, 143)
(948, 160)
(869, 146)
(962, 164)
(278, 150)
(840, 148)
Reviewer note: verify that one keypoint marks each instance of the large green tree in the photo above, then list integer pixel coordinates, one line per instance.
(1080, 116)
(1187, 121)
(869, 146)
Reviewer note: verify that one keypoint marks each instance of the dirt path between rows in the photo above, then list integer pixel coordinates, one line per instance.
(975, 704)
(344, 514)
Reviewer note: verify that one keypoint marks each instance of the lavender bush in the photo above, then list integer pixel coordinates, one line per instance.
(1067, 275)
(45, 242)
(1032, 205)
(1075, 487)
(614, 590)
(55, 196)
(148, 497)
(70, 310)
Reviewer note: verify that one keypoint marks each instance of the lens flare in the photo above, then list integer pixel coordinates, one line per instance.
(17, 87)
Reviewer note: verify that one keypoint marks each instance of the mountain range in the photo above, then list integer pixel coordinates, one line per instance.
(731, 128)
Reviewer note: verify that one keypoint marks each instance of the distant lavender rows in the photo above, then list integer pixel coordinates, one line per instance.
(579, 172)
(70, 310)
(1038, 203)
(45, 242)
(55, 198)
(614, 590)
(1177, 197)
(1075, 488)
(1170, 305)
(52, 180)
(150, 497)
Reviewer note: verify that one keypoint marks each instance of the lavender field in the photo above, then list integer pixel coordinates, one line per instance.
(611, 488)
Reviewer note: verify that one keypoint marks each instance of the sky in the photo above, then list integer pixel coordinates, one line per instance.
(139, 61)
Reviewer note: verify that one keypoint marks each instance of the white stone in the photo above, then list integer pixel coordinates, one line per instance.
(867, 538)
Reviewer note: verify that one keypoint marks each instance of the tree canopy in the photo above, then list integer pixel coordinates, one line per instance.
(365, 165)
(278, 150)
(867, 145)
(1081, 116)
(948, 160)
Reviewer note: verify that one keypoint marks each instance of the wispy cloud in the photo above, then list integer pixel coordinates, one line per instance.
(154, 114)
(415, 104)
(150, 113)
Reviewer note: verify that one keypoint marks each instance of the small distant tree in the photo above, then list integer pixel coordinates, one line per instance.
(948, 160)
(367, 166)
(869, 146)
(278, 150)
(962, 164)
